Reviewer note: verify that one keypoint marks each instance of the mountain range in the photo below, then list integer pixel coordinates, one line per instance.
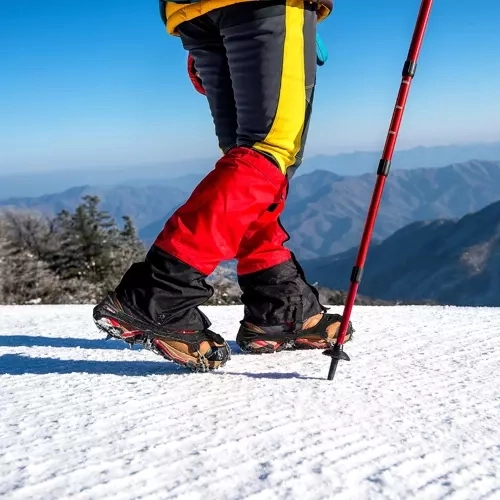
(449, 261)
(143, 203)
(362, 162)
(185, 174)
(437, 236)
(325, 212)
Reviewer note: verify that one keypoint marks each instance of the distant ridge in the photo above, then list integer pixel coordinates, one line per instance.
(450, 261)
(354, 163)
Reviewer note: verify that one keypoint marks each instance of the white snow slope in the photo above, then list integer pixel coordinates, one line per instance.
(415, 414)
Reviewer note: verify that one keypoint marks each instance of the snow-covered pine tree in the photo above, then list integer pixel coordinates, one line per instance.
(87, 240)
(74, 257)
(25, 277)
(131, 248)
(93, 249)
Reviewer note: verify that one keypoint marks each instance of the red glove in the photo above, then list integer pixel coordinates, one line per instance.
(194, 75)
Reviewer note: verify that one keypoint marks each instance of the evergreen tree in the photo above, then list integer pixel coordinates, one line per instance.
(24, 276)
(131, 248)
(89, 238)
(93, 249)
(74, 257)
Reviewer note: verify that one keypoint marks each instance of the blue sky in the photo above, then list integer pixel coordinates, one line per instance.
(101, 83)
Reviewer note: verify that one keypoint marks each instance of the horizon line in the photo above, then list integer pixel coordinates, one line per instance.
(52, 170)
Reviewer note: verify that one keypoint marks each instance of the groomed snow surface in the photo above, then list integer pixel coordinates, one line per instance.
(415, 414)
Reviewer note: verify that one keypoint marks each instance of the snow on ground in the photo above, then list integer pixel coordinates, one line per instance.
(415, 414)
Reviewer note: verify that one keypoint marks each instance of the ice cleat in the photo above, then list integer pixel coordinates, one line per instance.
(318, 332)
(199, 351)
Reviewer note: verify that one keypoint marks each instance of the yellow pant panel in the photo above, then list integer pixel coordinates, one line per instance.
(283, 141)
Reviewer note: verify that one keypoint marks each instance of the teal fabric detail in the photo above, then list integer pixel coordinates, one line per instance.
(321, 52)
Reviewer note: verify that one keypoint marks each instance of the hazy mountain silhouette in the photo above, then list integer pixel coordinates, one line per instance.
(450, 261)
(142, 203)
(325, 212)
(355, 163)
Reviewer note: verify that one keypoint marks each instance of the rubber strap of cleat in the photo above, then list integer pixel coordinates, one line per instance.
(319, 329)
(251, 336)
(194, 339)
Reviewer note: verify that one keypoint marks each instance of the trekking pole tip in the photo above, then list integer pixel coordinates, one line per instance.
(336, 353)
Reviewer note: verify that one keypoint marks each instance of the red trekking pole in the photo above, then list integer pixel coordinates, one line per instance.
(337, 351)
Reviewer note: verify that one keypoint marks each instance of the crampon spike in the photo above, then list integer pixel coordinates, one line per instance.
(336, 352)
